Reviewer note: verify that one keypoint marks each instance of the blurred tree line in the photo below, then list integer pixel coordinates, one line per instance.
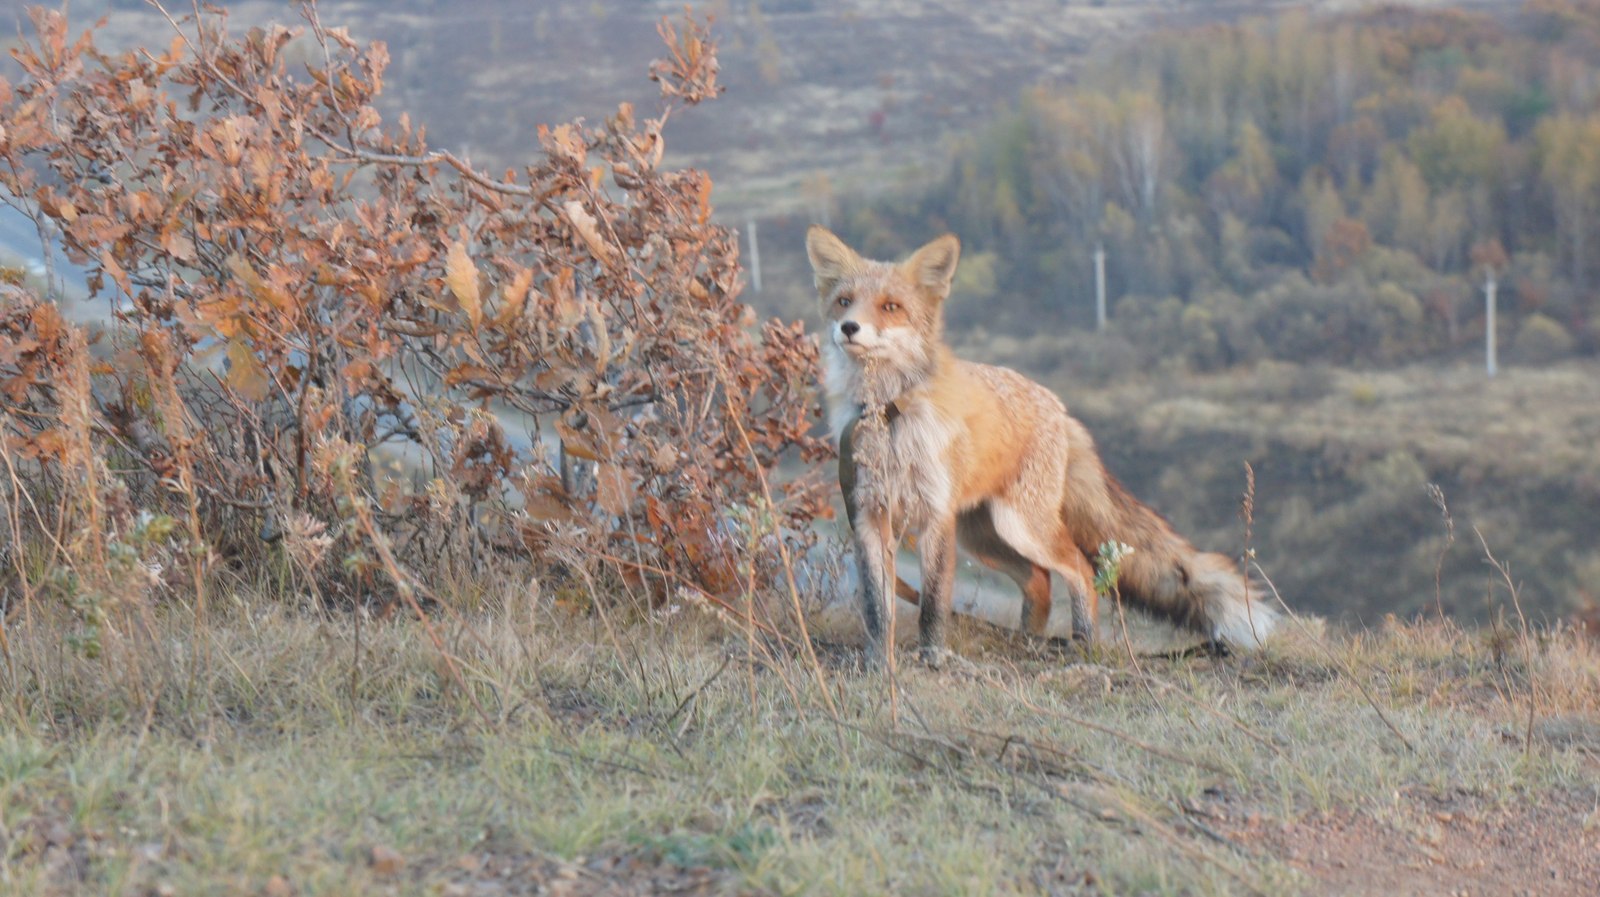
(1300, 187)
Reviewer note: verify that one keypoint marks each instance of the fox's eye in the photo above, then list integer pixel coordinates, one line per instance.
(844, 301)
(891, 307)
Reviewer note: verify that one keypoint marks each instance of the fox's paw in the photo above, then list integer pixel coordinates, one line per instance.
(1212, 650)
(1075, 648)
(946, 661)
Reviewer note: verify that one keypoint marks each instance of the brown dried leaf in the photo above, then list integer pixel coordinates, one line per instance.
(614, 489)
(577, 443)
(665, 458)
(513, 297)
(179, 245)
(118, 276)
(545, 508)
(246, 376)
(259, 287)
(563, 141)
(461, 275)
(584, 224)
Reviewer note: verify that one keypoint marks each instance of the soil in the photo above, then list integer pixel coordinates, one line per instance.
(1459, 845)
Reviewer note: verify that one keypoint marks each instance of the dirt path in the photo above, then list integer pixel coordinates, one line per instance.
(1432, 846)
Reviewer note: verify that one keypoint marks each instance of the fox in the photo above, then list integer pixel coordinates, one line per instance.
(955, 453)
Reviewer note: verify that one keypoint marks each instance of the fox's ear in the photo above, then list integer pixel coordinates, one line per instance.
(831, 260)
(933, 266)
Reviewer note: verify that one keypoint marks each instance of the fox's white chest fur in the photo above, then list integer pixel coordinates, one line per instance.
(902, 464)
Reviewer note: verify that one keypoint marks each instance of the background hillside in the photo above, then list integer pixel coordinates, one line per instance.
(823, 96)
(1299, 213)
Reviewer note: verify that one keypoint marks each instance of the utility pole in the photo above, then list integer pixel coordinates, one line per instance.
(755, 255)
(1099, 287)
(1490, 354)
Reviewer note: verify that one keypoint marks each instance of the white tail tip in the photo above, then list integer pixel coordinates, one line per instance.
(1243, 624)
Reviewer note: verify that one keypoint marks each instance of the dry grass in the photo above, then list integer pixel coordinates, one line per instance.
(650, 754)
(1530, 423)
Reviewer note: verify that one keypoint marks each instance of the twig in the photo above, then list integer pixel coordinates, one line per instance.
(407, 590)
(1437, 494)
(682, 582)
(1247, 510)
(783, 554)
(1027, 744)
(433, 157)
(1343, 664)
(1190, 812)
(726, 658)
(1228, 718)
(1124, 737)
(1143, 818)
(1133, 657)
(1527, 646)
(351, 151)
(919, 759)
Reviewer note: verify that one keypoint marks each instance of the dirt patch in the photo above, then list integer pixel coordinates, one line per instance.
(1456, 845)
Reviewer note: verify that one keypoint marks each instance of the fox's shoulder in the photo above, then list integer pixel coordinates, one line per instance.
(1010, 389)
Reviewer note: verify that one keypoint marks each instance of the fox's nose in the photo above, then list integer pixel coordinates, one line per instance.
(849, 328)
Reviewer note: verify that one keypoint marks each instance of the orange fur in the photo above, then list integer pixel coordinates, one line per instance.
(961, 452)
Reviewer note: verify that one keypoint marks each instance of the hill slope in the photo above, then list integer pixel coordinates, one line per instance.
(280, 754)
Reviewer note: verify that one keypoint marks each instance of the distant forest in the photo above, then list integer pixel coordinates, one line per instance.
(1303, 187)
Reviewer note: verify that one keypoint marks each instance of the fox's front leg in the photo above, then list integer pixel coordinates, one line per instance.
(875, 551)
(937, 547)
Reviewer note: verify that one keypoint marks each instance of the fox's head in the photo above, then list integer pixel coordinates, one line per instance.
(883, 316)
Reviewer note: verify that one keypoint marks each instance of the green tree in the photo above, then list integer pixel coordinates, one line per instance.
(1069, 155)
(1322, 207)
(1240, 187)
(1457, 148)
(1396, 208)
(1448, 225)
(1569, 167)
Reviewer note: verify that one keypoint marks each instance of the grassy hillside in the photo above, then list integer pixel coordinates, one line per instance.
(540, 749)
(1344, 461)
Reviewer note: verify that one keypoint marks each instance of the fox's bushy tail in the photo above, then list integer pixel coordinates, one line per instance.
(1200, 591)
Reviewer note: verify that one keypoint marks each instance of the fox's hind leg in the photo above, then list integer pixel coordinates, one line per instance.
(975, 530)
(1085, 600)
(1043, 540)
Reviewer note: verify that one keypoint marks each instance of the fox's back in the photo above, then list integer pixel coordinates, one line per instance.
(1014, 394)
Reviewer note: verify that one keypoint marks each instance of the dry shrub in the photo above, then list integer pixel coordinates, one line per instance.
(328, 335)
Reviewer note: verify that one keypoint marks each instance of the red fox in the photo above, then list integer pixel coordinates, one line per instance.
(954, 451)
